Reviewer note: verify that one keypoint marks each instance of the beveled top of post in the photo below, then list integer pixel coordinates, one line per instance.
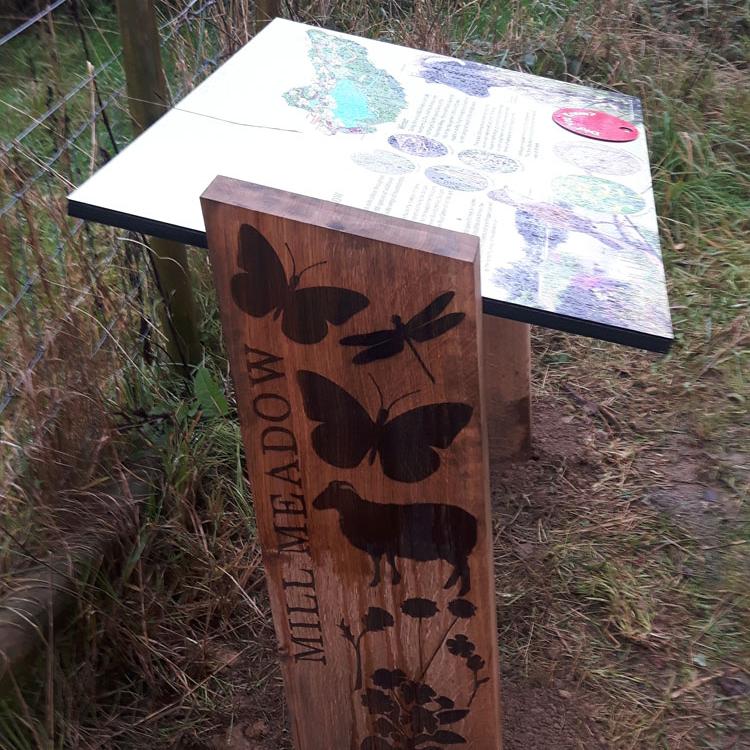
(354, 221)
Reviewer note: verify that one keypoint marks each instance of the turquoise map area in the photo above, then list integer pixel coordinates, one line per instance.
(349, 94)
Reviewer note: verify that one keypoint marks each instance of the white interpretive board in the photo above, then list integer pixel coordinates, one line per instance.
(567, 223)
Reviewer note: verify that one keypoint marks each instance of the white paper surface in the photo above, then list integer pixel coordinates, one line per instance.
(567, 224)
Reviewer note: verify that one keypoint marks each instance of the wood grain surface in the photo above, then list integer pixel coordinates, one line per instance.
(507, 388)
(354, 343)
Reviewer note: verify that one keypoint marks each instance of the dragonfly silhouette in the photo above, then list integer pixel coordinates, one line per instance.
(424, 326)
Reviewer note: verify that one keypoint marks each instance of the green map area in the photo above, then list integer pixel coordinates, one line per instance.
(349, 95)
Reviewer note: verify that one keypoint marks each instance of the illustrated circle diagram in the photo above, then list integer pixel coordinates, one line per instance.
(417, 145)
(597, 194)
(592, 157)
(592, 123)
(455, 178)
(383, 162)
(488, 161)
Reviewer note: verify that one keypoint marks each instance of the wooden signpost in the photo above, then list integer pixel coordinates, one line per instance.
(354, 341)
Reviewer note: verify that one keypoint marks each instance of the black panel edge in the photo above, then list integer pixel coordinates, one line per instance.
(568, 324)
(139, 224)
(509, 310)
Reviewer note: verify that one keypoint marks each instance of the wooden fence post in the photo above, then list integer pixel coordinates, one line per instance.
(148, 99)
(265, 12)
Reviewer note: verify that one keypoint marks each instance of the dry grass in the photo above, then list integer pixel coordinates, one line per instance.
(622, 553)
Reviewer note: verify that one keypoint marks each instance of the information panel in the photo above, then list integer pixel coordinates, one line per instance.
(567, 223)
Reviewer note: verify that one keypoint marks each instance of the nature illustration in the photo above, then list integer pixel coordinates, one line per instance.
(407, 712)
(488, 161)
(419, 531)
(417, 145)
(456, 178)
(590, 290)
(470, 77)
(424, 326)
(350, 94)
(597, 194)
(615, 290)
(476, 79)
(383, 162)
(624, 288)
(404, 444)
(264, 288)
(597, 158)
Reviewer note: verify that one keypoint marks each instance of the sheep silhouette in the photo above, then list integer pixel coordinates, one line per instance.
(419, 531)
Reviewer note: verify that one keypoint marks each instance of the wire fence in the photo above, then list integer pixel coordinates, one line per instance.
(77, 300)
(13, 33)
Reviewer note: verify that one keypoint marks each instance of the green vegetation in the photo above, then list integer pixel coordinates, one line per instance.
(622, 551)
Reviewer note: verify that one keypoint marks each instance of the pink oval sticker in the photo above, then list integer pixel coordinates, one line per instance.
(594, 124)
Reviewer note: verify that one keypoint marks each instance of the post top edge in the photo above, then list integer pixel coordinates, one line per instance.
(338, 217)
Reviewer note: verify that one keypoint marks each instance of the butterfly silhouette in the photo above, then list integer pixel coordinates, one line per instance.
(405, 444)
(264, 288)
(422, 327)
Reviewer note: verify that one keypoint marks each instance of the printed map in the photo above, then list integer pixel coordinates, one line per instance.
(350, 94)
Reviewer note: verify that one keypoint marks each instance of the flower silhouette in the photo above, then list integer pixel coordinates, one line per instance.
(374, 620)
(378, 702)
(462, 608)
(420, 609)
(377, 619)
(410, 715)
(406, 712)
(388, 678)
(460, 646)
(416, 692)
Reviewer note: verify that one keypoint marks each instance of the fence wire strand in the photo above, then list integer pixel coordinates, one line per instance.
(28, 24)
